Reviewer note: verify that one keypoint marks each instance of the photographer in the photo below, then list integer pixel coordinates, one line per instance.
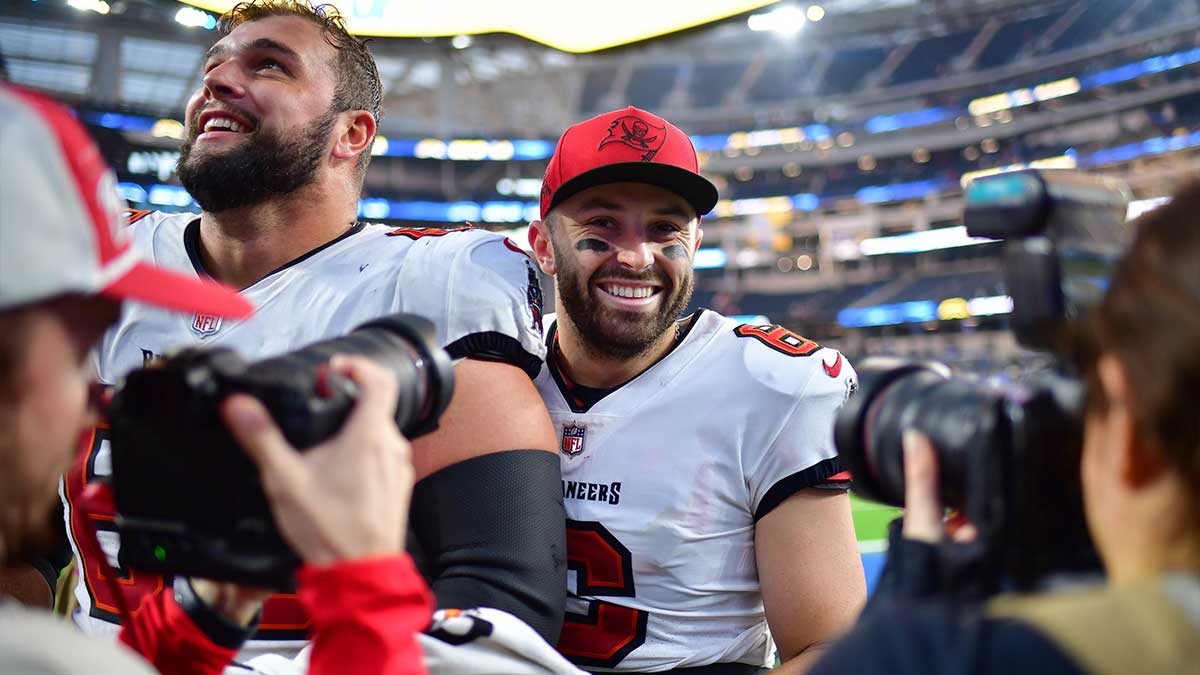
(65, 268)
(1140, 473)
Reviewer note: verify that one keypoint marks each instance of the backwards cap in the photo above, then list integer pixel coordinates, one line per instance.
(61, 224)
(629, 145)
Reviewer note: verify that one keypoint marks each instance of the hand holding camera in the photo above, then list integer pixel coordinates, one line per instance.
(345, 498)
(237, 471)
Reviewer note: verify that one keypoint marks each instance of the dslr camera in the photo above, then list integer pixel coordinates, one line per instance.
(189, 500)
(1008, 455)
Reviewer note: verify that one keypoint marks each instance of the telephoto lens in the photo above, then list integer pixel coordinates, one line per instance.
(963, 420)
(403, 343)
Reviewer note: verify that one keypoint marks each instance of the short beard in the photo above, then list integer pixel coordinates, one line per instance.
(616, 333)
(267, 165)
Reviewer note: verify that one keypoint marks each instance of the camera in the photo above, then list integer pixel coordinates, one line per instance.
(189, 500)
(1008, 455)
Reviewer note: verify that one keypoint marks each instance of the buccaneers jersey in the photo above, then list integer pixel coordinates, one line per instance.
(480, 291)
(664, 479)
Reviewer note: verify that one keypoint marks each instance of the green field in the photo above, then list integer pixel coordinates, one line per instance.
(871, 519)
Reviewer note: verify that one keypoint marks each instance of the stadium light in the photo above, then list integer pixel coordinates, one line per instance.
(786, 20)
(815, 13)
(97, 6)
(924, 240)
(568, 26)
(379, 146)
(194, 18)
(709, 258)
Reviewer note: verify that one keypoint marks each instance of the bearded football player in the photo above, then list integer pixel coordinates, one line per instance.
(708, 518)
(278, 140)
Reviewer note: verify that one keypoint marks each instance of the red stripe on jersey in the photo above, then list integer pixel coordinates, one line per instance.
(134, 215)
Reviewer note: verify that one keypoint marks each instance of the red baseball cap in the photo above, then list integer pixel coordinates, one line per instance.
(61, 223)
(629, 145)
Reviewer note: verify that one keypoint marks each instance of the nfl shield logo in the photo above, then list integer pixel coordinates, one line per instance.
(205, 324)
(572, 439)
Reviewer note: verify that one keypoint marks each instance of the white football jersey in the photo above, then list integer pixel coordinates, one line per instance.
(479, 289)
(664, 479)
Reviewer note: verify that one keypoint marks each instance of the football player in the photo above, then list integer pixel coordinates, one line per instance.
(278, 139)
(707, 512)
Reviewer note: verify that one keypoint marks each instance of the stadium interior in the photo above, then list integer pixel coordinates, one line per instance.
(840, 134)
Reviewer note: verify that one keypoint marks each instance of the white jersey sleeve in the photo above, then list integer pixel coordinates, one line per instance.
(480, 290)
(801, 454)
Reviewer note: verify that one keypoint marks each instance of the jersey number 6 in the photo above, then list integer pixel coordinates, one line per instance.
(778, 338)
(607, 633)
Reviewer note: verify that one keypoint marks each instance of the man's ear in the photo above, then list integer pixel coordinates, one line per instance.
(357, 135)
(1137, 461)
(539, 241)
(699, 238)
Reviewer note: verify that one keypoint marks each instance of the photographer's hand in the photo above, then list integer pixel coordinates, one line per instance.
(346, 498)
(923, 511)
(922, 506)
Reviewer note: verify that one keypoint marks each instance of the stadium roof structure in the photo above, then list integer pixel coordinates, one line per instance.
(569, 25)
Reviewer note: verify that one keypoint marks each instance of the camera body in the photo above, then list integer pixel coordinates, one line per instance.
(1008, 455)
(1063, 231)
(189, 501)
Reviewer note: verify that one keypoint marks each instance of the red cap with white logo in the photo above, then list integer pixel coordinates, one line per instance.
(61, 224)
(629, 145)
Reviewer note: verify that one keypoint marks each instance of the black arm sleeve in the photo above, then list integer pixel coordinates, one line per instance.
(491, 532)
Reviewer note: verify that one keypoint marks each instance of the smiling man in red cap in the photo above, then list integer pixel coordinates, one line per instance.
(703, 493)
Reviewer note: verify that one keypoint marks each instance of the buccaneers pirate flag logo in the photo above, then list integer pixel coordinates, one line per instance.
(636, 133)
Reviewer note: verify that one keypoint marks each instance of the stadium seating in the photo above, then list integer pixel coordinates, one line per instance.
(932, 57)
(1096, 19)
(649, 85)
(849, 67)
(1010, 40)
(711, 82)
(781, 79)
(985, 283)
(596, 84)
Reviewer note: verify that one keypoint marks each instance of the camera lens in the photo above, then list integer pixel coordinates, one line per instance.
(960, 418)
(405, 344)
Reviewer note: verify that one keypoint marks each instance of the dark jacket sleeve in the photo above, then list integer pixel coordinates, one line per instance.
(937, 639)
(490, 531)
(962, 574)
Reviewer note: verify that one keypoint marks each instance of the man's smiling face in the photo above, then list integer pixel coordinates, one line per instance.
(623, 263)
(260, 125)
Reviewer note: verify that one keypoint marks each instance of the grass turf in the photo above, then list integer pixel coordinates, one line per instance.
(871, 518)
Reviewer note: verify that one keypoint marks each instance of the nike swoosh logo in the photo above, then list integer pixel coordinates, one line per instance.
(834, 370)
